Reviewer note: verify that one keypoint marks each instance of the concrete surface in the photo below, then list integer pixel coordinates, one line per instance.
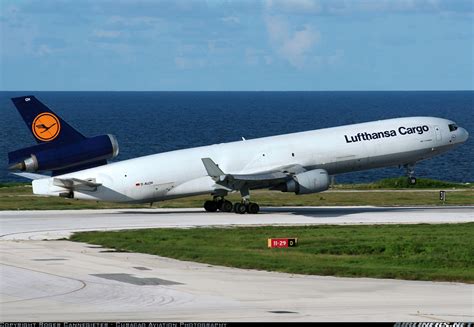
(65, 281)
(38, 225)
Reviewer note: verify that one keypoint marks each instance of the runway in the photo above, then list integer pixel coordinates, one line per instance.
(39, 225)
(66, 281)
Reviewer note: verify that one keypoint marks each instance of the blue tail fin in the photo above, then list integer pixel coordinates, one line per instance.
(43, 123)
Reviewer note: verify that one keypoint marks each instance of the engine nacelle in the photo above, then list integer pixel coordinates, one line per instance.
(70, 154)
(312, 181)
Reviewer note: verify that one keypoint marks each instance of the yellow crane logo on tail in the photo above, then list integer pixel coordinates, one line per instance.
(46, 127)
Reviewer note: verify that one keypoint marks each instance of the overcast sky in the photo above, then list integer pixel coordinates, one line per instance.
(237, 45)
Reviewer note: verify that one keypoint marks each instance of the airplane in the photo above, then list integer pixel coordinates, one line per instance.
(298, 162)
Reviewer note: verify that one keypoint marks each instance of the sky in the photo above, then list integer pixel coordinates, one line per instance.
(274, 45)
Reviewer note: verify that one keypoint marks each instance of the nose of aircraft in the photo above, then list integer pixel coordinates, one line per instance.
(463, 135)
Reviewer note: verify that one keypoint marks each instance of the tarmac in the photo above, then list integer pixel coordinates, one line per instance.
(58, 280)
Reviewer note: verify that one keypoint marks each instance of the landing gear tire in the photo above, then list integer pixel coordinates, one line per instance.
(253, 208)
(410, 171)
(240, 208)
(226, 206)
(210, 206)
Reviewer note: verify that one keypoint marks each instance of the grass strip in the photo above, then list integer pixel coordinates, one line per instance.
(443, 252)
(387, 192)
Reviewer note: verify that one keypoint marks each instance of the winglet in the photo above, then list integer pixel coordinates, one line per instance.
(212, 169)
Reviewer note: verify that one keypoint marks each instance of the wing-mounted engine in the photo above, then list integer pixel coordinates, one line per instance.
(293, 178)
(312, 181)
(54, 157)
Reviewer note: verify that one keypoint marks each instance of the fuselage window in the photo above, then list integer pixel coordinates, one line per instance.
(452, 127)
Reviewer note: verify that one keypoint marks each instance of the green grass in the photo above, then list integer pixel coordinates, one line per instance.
(4, 185)
(402, 183)
(19, 196)
(417, 252)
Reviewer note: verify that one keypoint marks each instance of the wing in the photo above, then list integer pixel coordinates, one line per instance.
(257, 180)
(76, 183)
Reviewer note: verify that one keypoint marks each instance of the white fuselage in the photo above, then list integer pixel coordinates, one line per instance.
(341, 149)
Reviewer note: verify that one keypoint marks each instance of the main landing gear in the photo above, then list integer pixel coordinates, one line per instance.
(227, 206)
(245, 206)
(218, 204)
(249, 207)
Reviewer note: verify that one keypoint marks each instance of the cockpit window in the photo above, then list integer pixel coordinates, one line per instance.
(452, 127)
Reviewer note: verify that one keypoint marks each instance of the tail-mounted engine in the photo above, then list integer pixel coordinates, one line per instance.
(59, 157)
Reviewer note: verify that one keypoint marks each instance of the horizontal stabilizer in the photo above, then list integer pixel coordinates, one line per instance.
(76, 183)
(31, 176)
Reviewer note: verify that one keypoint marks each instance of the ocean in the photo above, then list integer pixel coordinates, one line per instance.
(152, 122)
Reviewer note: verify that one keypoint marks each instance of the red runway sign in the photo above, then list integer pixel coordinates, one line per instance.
(282, 242)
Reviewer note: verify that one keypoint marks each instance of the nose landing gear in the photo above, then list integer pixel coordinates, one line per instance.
(410, 171)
